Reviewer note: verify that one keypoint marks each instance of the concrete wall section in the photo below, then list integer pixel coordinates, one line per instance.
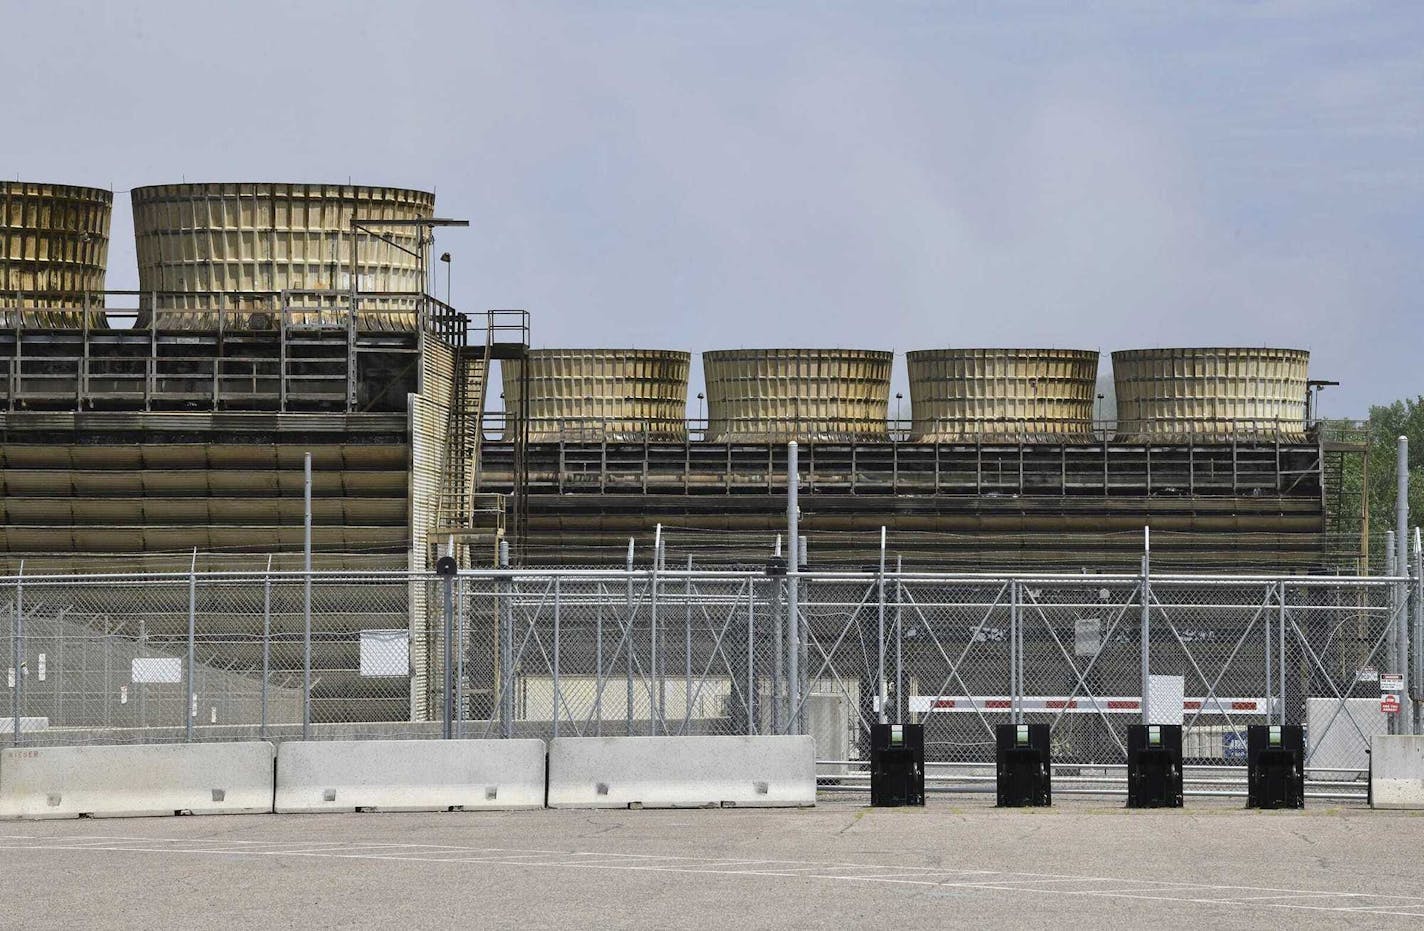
(409, 775)
(143, 779)
(682, 772)
(1396, 772)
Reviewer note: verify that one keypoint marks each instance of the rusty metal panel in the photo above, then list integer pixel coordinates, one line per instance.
(1002, 395)
(54, 249)
(777, 395)
(1210, 394)
(601, 394)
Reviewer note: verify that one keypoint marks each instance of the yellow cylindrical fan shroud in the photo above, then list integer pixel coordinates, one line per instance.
(232, 248)
(778, 395)
(1210, 394)
(1002, 395)
(593, 395)
(54, 250)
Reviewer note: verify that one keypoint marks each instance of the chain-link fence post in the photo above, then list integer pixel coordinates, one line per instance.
(1146, 623)
(899, 640)
(793, 579)
(751, 657)
(1401, 514)
(17, 632)
(190, 704)
(881, 699)
(803, 643)
(266, 640)
(1391, 628)
(1015, 654)
(655, 675)
(306, 598)
(628, 635)
(1417, 640)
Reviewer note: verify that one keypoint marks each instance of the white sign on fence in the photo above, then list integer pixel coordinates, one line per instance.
(1087, 636)
(1165, 699)
(157, 669)
(385, 653)
(1391, 682)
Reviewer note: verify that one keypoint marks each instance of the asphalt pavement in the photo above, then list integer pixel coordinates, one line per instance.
(959, 862)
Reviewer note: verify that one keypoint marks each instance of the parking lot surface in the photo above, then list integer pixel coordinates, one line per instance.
(958, 862)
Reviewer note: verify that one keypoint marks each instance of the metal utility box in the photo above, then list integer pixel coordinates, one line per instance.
(897, 765)
(1154, 766)
(1024, 766)
(1275, 761)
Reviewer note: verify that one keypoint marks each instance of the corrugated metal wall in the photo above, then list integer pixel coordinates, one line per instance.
(429, 435)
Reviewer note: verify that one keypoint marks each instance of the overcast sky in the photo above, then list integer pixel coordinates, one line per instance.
(882, 175)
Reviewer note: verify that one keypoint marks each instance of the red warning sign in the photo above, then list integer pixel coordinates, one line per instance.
(1389, 703)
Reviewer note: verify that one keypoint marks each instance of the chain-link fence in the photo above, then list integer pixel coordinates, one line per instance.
(661, 651)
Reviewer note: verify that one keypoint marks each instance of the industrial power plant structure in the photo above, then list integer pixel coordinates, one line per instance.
(168, 427)
(1002, 464)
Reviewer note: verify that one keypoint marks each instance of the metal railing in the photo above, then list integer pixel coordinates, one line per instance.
(625, 429)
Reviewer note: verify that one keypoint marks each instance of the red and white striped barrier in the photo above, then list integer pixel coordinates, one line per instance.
(1101, 704)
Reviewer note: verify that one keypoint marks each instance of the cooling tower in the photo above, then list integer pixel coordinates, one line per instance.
(777, 395)
(54, 246)
(1211, 394)
(1002, 395)
(234, 247)
(601, 394)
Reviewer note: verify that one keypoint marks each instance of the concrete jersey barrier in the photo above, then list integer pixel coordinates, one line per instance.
(1396, 771)
(136, 780)
(682, 772)
(409, 775)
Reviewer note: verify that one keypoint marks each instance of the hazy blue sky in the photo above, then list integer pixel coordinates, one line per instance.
(892, 175)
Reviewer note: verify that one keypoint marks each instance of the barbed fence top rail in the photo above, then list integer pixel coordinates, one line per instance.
(825, 575)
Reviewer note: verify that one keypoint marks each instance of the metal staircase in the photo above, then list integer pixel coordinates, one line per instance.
(460, 513)
(1346, 514)
(462, 439)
